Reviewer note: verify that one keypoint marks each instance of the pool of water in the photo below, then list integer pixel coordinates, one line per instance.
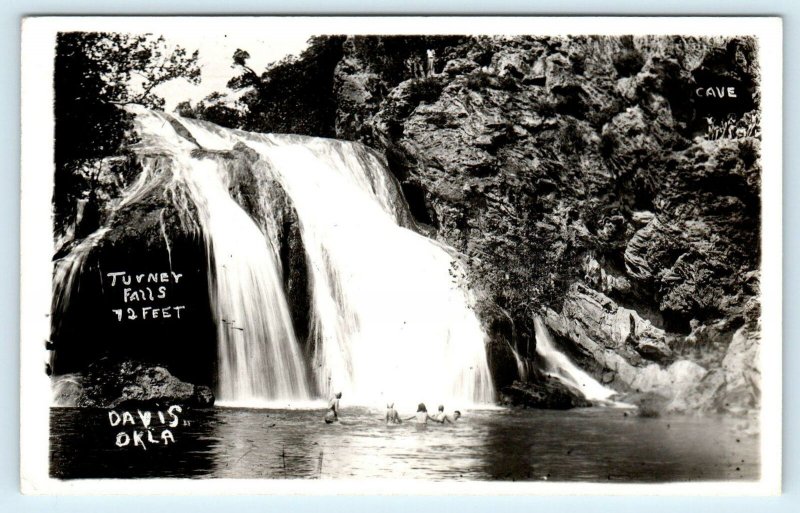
(592, 444)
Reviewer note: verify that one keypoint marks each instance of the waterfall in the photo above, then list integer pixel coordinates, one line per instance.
(522, 365)
(392, 318)
(559, 366)
(68, 268)
(259, 358)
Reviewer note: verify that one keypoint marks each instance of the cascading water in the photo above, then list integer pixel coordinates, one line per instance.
(522, 365)
(68, 269)
(258, 354)
(559, 366)
(392, 318)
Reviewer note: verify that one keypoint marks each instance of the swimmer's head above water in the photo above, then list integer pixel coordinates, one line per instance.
(456, 414)
(338, 395)
(390, 405)
(421, 408)
(441, 407)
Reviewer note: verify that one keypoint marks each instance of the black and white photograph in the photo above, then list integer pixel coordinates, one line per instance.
(387, 255)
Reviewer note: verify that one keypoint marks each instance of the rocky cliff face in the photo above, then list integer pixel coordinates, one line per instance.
(586, 181)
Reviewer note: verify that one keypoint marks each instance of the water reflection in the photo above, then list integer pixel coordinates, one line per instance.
(578, 445)
(610, 445)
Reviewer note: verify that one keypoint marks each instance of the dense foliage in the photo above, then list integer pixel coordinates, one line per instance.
(293, 95)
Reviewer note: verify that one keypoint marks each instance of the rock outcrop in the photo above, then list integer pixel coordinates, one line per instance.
(547, 394)
(109, 384)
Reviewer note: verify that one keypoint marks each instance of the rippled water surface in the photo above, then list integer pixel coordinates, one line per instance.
(578, 445)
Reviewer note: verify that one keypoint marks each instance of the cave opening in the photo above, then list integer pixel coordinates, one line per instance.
(417, 205)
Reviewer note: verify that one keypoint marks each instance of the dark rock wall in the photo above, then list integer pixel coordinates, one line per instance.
(147, 236)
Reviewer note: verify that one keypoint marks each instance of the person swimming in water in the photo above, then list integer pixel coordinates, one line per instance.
(332, 415)
(392, 417)
(443, 418)
(451, 419)
(422, 416)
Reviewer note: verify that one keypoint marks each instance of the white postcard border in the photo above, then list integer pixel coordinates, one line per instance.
(36, 245)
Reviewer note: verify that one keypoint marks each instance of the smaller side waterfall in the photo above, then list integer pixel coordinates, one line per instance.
(559, 366)
(68, 269)
(522, 365)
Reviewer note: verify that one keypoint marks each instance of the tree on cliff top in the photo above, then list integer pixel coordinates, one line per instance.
(294, 95)
(95, 74)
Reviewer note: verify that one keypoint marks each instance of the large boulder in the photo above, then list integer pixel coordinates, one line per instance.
(547, 393)
(597, 323)
(108, 384)
(735, 387)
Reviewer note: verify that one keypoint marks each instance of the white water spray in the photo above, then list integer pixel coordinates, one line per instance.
(258, 354)
(559, 366)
